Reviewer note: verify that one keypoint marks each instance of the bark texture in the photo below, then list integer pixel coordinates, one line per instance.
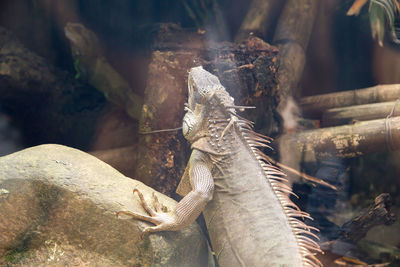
(344, 141)
(314, 106)
(378, 213)
(346, 115)
(291, 37)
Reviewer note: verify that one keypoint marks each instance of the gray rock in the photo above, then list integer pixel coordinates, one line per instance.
(58, 205)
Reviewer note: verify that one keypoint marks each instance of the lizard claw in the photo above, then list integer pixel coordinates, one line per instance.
(143, 234)
(146, 231)
(158, 217)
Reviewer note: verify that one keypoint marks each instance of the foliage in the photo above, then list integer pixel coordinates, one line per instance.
(77, 69)
(380, 13)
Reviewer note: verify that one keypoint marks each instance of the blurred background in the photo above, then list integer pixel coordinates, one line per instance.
(341, 55)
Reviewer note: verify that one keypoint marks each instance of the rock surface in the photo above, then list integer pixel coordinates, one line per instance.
(58, 205)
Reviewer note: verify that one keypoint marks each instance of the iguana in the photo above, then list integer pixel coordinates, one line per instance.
(244, 198)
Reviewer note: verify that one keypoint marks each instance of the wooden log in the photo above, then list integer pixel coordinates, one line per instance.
(249, 72)
(346, 115)
(348, 141)
(292, 34)
(296, 22)
(258, 19)
(162, 156)
(291, 37)
(314, 106)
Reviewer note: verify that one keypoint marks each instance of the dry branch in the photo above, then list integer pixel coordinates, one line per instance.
(346, 115)
(303, 175)
(98, 72)
(313, 106)
(378, 213)
(349, 240)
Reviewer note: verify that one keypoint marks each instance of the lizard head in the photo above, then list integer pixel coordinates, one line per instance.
(207, 110)
(201, 85)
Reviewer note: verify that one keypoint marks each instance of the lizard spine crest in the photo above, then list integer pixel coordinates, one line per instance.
(308, 247)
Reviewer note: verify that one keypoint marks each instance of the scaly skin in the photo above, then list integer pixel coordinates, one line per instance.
(249, 216)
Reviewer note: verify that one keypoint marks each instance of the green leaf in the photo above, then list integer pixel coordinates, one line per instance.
(77, 69)
(381, 11)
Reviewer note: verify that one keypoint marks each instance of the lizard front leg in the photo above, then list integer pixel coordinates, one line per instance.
(187, 210)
